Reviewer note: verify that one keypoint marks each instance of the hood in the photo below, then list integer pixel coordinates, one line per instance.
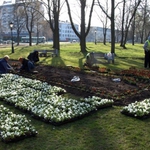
(35, 52)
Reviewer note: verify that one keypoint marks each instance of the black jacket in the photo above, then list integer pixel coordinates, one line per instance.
(34, 56)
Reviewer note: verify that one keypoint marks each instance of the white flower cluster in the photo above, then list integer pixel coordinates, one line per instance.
(97, 101)
(13, 82)
(42, 100)
(13, 126)
(61, 109)
(138, 109)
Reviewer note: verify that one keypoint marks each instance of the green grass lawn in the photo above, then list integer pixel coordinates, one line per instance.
(70, 55)
(105, 129)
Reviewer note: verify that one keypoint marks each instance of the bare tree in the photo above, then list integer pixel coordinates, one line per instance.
(31, 13)
(122, 23)
(112, 20)
(46, 31)
(145, 21)
(133, 30)
(19, 20)
(83, 30)
(38, 25)
(112, 28)
(53, 8)
(104, 20)
(129, 11)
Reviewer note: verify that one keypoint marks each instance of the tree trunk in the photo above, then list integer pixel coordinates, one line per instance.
(56, 32)
(30, 38)
(112, 28)
(83, 30)
(83, 37)
(122, 24)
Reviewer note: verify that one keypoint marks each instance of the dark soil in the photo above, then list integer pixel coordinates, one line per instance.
(91, 83)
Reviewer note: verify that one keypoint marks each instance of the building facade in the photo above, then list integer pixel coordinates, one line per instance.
(96, 35)
(7, 15)
(66, 32)
(14, 12)
(5, 10)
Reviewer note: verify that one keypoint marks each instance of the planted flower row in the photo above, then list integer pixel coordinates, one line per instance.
(13, 126)
(140, 74)
(12, 81)
(43, 101)
(137, 109)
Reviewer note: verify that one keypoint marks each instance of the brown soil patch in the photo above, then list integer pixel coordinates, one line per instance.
(91, 83)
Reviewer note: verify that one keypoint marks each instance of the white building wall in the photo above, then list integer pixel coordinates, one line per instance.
(96, 33)
(66, 32)
(7, 15)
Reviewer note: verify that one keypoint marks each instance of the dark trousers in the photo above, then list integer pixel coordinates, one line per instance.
(147, 59)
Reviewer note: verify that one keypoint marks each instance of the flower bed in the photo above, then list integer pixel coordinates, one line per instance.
(139, 74)
(43, 101)
(14, 127)
(133, 82)
(138, 109)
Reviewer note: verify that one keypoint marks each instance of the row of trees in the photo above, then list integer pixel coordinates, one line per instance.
(129, 17)
(28, 16)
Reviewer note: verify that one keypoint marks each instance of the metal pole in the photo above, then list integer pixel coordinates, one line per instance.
(95, 38)
(12, 46)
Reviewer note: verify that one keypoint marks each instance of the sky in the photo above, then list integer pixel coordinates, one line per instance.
(76, 13)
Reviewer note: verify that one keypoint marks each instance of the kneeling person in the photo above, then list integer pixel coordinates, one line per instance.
(4, 65)
(26, 65)
(34, 56)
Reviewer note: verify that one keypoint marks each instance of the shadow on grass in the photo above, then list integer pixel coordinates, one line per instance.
(81, 60)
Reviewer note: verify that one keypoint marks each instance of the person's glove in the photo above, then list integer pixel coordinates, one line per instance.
(12, 69)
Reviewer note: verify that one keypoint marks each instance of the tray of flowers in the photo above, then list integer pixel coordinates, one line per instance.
(14, 127)
(139, 110)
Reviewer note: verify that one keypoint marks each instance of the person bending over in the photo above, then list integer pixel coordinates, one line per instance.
(34, 56)
(4, 65)
(26, 65)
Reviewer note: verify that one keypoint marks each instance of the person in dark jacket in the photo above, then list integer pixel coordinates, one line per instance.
(4, 66)
(34, 56)
(147, 53)
(26, 65)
